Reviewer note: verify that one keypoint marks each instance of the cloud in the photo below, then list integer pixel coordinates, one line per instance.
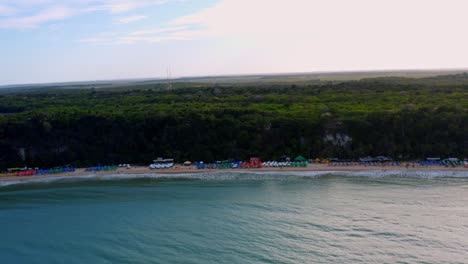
(338, 34)
(124, 6)
(6, 10)
(245, 17)
(159, 30)
(93, 40)
(143, 36)
(321, 35)
(130, 19)
(32, 21)
(120, 7)
(150, 39)
(331, 17)
(23, 14)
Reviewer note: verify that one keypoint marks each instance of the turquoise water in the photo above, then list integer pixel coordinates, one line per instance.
(237, 219)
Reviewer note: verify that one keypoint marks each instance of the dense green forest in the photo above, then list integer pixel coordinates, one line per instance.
(399, 117)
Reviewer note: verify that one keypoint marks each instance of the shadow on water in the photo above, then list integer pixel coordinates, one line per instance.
(87, 191)
(90, 182)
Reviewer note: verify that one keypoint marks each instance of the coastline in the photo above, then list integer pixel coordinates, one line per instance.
(180, 170)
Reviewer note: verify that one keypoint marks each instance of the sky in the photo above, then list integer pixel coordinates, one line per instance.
(84, 40)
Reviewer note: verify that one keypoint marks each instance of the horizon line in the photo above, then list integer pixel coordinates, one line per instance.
(14, 85)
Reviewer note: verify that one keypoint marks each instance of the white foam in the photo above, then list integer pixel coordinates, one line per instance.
(374, 173)
(243, 175)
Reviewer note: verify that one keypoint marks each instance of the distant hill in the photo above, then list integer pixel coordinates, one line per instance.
(414, 76)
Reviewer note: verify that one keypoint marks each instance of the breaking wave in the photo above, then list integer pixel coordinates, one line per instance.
(241, 175)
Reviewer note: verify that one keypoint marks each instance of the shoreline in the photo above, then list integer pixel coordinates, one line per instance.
(140, 170)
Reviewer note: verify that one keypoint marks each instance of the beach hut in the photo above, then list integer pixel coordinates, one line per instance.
(383, 159)
(300, 158)
(255, 162)
(161, 160)
(367, 159)
(161, 163)
(200, 165)
(299, 161)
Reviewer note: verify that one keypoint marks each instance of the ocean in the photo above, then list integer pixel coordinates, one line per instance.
(236, 217)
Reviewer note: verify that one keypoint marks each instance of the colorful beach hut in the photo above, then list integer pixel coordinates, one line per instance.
(299, 161)
(300, 158)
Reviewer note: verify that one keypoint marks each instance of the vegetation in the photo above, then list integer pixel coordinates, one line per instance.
(399, 117)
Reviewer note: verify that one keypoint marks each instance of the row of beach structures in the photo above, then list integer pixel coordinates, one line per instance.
(449, 162)
(298, 162)
(253, 163)
(102, 168)
(386, 161)
(36, 171)
(301, 161)
(161, 163)
(365, 161)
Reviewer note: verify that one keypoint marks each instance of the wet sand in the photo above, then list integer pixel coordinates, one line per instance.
(191, 169)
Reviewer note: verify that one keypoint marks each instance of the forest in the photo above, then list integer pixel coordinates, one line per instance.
(403, 118)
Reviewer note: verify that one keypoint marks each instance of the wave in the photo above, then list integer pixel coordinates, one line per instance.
(241, 175)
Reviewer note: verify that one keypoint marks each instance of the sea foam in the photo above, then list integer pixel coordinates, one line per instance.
(241, 175)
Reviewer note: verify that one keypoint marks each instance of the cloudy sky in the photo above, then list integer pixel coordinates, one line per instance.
(74, 40)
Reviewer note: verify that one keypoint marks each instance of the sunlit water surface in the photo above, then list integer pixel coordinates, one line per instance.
(237, 219)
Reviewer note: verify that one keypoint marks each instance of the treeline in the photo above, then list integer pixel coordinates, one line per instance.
(404, 120)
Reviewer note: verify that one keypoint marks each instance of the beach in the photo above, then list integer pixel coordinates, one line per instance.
(180, 169)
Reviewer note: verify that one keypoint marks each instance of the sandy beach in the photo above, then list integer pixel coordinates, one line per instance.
(179, 169)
